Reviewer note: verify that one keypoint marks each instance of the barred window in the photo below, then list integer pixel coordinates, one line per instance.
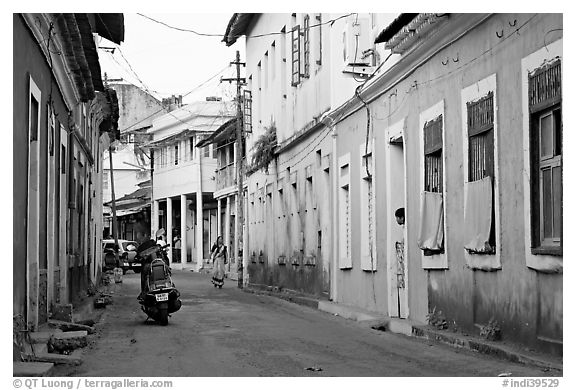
(545, 104)
(433, 167)
(481, 149)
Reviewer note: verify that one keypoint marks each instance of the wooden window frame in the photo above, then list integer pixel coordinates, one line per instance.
(248, 111)
(306, 39)
(545, 98)
(296, 56)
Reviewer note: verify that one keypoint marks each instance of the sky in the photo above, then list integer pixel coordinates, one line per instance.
(167, 62)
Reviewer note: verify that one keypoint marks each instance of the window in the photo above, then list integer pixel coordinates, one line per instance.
(433, 169)
(207, 151)
(306, 72)
(105, 180)
(34, 112)
(481, 149)
(266, 71)
(175, 154)
(63, 160)
(296, 55)
(345, 233)
(544, 88)
(248, 111)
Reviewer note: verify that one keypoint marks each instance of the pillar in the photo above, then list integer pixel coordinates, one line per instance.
(199, 232)
(155, 219)
(183, 214)
(169, 227)
(219, 218)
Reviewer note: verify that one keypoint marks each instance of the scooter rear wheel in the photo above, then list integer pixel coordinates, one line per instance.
(163, 317)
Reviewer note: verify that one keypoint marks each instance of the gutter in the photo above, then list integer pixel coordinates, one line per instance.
(385, 82)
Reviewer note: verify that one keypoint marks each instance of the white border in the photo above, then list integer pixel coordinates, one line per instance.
(486, 262)
(437, 261)
(544, 263)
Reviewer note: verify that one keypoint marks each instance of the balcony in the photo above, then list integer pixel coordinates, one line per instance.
(225, 177)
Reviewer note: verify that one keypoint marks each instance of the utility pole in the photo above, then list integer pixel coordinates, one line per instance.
(114, 220)
(239, 169)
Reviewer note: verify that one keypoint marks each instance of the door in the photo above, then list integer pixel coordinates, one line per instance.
(397, 256)
(51, 153)
(60, 261)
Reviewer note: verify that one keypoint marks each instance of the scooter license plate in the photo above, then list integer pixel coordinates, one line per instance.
(161, 297)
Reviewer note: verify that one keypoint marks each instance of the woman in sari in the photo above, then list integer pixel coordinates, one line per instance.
(218, 256)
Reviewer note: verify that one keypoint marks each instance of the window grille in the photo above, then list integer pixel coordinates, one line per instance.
(481, 148)
(433, 166)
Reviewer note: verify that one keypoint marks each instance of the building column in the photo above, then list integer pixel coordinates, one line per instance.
(155, 218)
(169, 227)
(183, 214)
(226, 232)
(219, 218)
(199, 216)
(236, 231)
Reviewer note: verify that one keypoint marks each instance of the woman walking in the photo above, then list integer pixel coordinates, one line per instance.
(219, 258)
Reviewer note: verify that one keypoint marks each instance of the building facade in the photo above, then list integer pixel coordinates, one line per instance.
(184, 179)
(64, 119)
(465, 134)
(293, 80)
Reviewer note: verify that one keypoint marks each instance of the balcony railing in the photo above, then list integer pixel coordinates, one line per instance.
(225, 177)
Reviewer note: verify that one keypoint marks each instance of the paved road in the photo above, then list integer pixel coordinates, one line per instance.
(231, 333)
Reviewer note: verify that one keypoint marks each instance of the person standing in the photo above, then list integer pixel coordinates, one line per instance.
(219, 257)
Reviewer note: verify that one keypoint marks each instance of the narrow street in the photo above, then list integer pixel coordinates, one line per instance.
(231, 333)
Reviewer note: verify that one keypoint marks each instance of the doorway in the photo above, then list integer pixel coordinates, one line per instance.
(397, 256)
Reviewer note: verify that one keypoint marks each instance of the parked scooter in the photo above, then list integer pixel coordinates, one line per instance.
(160, 297)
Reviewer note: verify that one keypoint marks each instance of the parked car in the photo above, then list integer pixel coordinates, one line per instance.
(126, 252)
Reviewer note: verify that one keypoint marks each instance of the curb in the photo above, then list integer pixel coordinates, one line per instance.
(380, 322)
(483, 347)
(298, 299)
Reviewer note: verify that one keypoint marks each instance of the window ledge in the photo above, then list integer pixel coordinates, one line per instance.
(483, 262)
(546, 263)
(552, 251)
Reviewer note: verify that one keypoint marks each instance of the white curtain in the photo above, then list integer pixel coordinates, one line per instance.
(478, 215)
(432, 221)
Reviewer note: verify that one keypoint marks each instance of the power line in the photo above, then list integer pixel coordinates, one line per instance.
(331, 21)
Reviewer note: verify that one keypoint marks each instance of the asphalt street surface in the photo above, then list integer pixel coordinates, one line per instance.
(227, 332)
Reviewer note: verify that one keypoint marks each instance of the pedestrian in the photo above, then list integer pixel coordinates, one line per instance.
(177, 248)
(219, 257)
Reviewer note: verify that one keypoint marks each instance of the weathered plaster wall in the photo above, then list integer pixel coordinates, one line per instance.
(528, 304)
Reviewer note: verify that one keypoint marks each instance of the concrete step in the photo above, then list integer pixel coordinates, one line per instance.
(75, 358)
(31, 369)
(30, 350)
(70, 326)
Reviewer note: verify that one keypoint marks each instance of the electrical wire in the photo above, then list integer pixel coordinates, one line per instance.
(331, 21)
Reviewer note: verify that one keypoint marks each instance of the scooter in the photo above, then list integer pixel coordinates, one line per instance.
(161, 297)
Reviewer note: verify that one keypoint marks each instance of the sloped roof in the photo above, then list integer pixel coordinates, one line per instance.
(225, 132)
(396, 25)
(237, 26)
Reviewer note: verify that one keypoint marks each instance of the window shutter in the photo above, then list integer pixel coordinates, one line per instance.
(319, 24)
(296, 56)
(306, 72)
(248, 111)
(545, 86)
(480, 114)
(433, 135)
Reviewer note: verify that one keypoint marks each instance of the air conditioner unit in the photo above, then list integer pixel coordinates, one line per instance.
(356, 39)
